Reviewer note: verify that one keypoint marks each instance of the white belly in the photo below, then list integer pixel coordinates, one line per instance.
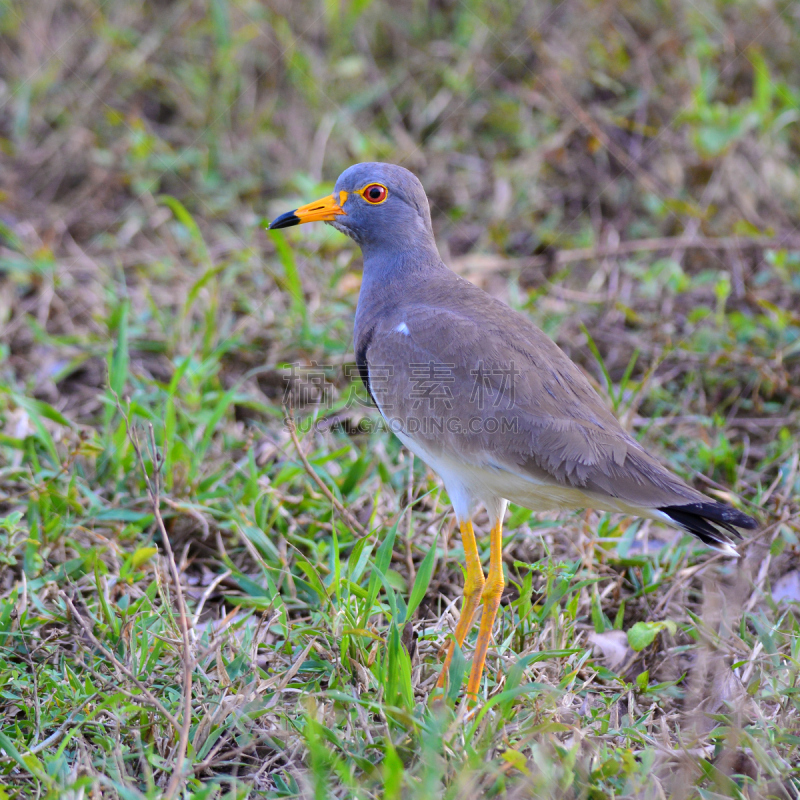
(494, 486)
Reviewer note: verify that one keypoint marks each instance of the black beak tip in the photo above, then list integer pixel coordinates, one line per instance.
(286, 220)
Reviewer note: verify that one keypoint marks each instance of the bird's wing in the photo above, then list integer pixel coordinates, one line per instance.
(486, 386)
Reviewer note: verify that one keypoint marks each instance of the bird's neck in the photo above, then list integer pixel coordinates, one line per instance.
(392, 279)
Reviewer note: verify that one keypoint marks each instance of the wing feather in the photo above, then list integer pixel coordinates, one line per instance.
(500, 389)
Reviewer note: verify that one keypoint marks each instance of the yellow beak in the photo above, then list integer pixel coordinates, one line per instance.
(323, 210)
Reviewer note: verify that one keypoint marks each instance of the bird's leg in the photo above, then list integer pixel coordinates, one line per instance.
(491, 594)
(473, 586)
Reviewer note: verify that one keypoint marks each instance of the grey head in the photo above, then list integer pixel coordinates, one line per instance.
(382, 207)
(386, 207)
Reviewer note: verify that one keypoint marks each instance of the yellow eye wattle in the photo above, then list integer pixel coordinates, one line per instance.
(374, 193)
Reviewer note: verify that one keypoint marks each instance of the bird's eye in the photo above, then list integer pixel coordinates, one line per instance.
(375, 193)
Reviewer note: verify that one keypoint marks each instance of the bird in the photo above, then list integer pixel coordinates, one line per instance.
(485, 398)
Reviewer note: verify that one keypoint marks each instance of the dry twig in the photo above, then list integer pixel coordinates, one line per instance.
(483, 263)
(147, 696)
(154, 493)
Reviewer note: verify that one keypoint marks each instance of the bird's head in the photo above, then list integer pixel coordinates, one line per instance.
(377, 205)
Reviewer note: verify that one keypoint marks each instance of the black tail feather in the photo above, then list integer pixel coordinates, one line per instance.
(697, 518)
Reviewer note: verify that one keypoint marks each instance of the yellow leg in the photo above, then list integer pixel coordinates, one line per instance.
(491, 594)
(473, 586)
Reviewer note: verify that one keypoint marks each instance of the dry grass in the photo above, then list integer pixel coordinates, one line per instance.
(141, 146)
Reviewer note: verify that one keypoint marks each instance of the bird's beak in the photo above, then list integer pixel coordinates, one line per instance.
(323, 210)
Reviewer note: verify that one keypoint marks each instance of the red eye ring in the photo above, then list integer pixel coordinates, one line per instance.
(374, 193)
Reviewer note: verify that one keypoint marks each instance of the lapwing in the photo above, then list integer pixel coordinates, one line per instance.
(484, 397)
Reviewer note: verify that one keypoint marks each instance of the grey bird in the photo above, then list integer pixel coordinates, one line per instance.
(484, 397)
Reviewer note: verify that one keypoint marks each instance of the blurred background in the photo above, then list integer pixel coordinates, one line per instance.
(626, 173)
(146, 143)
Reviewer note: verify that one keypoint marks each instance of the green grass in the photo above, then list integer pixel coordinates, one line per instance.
(142, 146)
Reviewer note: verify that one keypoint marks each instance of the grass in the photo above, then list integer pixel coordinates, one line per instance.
(142, 146)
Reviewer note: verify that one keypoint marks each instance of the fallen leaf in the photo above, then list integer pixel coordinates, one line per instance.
(613, 646)
(787, 588)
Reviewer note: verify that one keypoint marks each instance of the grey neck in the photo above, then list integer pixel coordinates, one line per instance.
(391, 278)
